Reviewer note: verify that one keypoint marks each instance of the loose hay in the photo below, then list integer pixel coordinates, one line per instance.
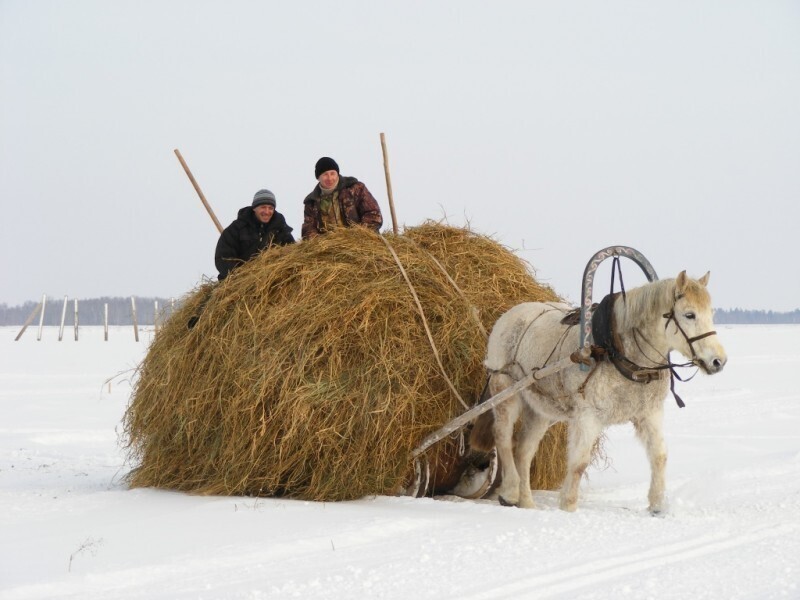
(310, 374)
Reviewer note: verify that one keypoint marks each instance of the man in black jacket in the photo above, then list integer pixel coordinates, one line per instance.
(256, 228)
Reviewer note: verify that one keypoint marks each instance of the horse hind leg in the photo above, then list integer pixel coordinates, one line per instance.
(531, 432)
(506, 415)
(582, 435)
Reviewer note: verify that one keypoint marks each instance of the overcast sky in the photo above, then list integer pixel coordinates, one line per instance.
(558, 127)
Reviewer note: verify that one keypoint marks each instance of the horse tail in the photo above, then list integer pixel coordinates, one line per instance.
(481, 437)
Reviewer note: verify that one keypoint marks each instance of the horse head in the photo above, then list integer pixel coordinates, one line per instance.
(690, 324)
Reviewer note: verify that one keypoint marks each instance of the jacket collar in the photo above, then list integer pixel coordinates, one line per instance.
(344, 183)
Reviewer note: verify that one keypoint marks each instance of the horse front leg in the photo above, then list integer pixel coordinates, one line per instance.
(649, 429)
(582, 434)
(505, 417)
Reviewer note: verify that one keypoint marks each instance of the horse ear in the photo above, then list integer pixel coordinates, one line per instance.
(680, 283)
(704, 279)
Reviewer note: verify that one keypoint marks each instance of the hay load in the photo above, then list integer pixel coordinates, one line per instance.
(312, 374)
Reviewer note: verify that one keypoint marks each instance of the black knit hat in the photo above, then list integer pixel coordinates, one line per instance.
(325, 164)
(264, 197)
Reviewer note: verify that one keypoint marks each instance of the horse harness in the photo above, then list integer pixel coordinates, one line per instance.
(608, 346)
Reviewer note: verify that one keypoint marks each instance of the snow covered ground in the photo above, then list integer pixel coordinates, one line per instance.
(71, 529)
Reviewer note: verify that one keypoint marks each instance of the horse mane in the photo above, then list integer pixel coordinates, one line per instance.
(644, 304)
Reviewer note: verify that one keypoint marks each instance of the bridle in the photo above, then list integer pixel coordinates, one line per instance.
(640, 374)
(670, 316)
(673, 374)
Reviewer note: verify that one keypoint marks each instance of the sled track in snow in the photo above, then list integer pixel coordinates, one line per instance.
(571, 579)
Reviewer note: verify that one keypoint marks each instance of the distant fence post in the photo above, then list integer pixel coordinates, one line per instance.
(63, 316)
(28, 321)
(105, 321)
(76, 319)
(135, 323)
(41, 318)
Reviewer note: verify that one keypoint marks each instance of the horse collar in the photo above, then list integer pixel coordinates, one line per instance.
(609, 345)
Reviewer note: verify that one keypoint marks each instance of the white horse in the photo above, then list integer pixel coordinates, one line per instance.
(646, 324)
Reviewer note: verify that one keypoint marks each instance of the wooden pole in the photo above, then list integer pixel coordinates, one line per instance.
(155, 316)
(388, 182)
(135, 322)
(489, 404)
(28, 321)
(199, 191)
(105, 321)
(63, 316)
(41, 318)
(76, 319)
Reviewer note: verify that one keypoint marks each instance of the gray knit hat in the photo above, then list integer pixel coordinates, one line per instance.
(264, 197)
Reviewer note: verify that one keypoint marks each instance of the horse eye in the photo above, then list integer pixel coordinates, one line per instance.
(689, 316)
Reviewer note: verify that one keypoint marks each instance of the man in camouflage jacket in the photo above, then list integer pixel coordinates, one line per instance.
(338, 202)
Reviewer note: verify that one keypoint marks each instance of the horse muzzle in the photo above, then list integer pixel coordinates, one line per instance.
(710, 367)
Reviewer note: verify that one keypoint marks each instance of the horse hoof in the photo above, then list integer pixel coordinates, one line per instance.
(659, 509)
(504, 502)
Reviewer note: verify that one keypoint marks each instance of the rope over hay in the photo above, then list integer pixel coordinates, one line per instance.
(310, 374)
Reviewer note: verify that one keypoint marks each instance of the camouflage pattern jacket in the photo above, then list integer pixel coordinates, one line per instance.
(357, 207)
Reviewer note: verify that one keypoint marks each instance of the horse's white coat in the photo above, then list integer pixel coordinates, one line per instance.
(531, 335)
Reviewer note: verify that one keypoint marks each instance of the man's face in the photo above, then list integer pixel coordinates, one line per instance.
(264, 212)
(329, 179)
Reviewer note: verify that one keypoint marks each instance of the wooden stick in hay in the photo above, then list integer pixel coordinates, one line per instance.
(311, 375)
(388, 182)
(199, 191)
